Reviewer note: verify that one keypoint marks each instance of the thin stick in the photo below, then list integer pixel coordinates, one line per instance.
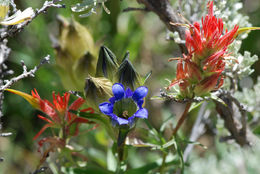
(25, 73)
(134, 9)
(174, 58)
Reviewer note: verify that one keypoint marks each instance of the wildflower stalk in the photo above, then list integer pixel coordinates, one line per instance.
(64, 136)
(120, 150)
(121, 143)
(179, 123)
(182, 119)
(163, 162)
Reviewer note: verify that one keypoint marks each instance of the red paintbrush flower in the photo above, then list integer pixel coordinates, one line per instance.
(57, 112)
(199, 72)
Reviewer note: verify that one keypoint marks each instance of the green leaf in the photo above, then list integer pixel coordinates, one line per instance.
(195, 105)
(139, 143)
(149, 167)
(156, 98)
(257, 130)
(213, 96)
(141, 137)
(170, 143)
(111, 160)
(195, 143)
(143, 169)
(165, 123)
(146, 77)
(91, 169)
(99, 119)
(180, 154)
(155, 132)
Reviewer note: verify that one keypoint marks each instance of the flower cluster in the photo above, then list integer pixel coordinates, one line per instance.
(58, 115)
(200, 71)
(125, 105)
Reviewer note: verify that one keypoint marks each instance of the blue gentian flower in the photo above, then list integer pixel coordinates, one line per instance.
(125, 105)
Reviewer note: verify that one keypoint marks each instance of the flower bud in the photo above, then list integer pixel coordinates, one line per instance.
(76, 56)
(107, 63)
(127, 75)
(97, 90)
(75, 38)
(85, 66)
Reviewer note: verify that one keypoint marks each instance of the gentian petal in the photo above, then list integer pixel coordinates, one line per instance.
(106, 108)
(112, 100)
(121, 121)
(113, 116)
(140, 103)
(118, 91)
(128, 92)
(140, 93)
(113, 119)
(131, 120)
(142, 113)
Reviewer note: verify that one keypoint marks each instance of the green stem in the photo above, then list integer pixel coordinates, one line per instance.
(163, 162)
(121, 143)
(120, 150)
(182, 119)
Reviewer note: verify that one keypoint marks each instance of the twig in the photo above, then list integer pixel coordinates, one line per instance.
(25, 73)
(168, 97)
(243, 115)
(16, 29)
(4, 51)
(134, 9)
(242, 111)
(75, 93)
(13, 6)
(42, 169)
(5, 134)
(168, 15)
(231, 123)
